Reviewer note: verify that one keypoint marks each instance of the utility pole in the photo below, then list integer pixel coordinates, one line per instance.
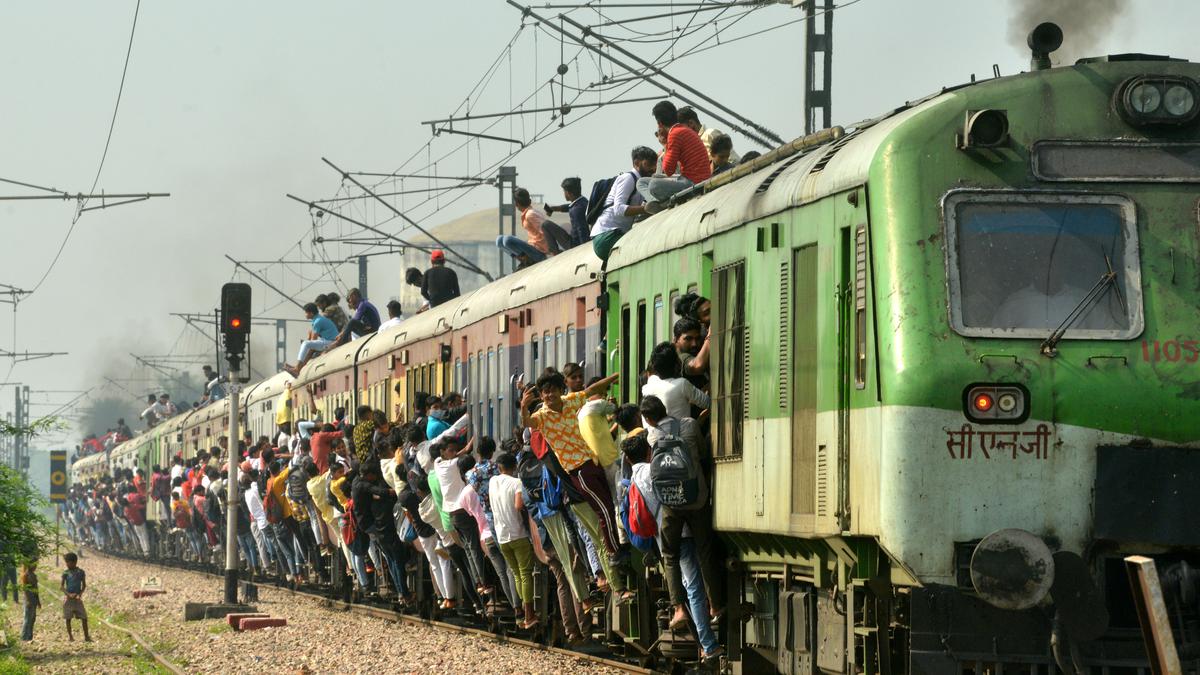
(280, 344)
(362, 277)
(20, 442)
(506, 182)
(818, 47)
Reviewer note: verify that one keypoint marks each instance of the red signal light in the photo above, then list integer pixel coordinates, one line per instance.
(983, 402)
(235, 322)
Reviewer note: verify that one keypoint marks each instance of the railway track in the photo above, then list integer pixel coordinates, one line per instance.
(389, 614)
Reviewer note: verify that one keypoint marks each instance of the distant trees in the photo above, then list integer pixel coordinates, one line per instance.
(25, 531)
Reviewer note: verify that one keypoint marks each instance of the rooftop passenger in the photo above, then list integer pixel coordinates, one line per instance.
(688, 118)
(320, 337)
(123, 429)
(750, 156)
(541, 232)
(213, 389)
(684, 152)
(331, 309)
(364, 322)
(576, 208)
(414, 277)
(720, 151)
(439, 284)
(395, 315)
(624, 204)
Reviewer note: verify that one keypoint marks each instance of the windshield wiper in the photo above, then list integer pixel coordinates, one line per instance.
(1106, 281)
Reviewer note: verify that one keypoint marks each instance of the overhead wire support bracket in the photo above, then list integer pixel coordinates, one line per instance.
(487, 137)
(561, 109)
(265, 282)
(21, 357)
(463, 259)
(761, 135)
(314, 206)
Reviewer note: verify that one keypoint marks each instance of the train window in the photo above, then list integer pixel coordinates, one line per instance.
(658, 320)
(730, 359)
(548, 351)
(458, 376)
(560, 348)
(534, 370)
(627, 380)
(573, 354)
(1025, 264)
(641, 348)
(860, 307)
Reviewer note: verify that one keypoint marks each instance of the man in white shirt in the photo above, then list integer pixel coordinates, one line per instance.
(668, 384)
(450, 478)
(395, 315)
(258, 515)
(624, 204)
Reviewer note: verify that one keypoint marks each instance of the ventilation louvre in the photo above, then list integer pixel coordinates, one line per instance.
(785, 326)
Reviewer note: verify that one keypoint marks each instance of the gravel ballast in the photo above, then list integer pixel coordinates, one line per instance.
(317, 639)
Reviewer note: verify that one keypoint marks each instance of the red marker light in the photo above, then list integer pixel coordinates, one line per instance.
(983, 402)
(235, 322)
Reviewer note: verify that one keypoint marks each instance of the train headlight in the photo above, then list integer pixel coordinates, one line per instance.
(1179, 101)
(1157, 100)
(989, 403)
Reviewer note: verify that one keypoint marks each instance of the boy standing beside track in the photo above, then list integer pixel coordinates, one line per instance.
(73, 584)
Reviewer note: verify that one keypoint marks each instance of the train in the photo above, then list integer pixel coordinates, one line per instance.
(954, 373)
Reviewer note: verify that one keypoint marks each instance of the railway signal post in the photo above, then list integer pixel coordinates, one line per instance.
(235, 329)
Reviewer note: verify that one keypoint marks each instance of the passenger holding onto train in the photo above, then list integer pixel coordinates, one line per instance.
(669, 386)
(320, 337)
(688, 118)
(450, 480)
(624, 204)
(576, 209)
(469, 500)
(557, 420)
(439, 284)
(697, 516)
(364, 322)
(637, 453)
(373, 510)
(684, 152)
(395, 315)
(512, 533)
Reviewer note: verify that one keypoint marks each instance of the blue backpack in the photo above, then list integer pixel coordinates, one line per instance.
(552, 490)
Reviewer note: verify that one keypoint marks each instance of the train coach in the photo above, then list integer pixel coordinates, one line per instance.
(954, 373)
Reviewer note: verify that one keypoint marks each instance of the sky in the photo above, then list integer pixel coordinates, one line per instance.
(229, 106)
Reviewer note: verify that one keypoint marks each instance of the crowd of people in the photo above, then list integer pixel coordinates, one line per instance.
(580, 485)
(689, 154)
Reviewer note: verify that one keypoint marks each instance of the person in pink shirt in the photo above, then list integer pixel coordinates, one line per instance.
(545, 237)
(685, 160)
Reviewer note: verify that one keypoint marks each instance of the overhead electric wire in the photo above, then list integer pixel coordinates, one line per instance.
(104, 155)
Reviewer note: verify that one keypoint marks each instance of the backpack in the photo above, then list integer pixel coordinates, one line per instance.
(552, 490)
(673, 475)
(272, 507)
(598, 201)
(529, 470)
(634, 514)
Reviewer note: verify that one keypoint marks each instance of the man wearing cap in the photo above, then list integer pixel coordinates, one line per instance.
(576, 208)
(439, 284)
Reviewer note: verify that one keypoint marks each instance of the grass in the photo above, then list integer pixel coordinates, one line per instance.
(218, 628)
(11, 660)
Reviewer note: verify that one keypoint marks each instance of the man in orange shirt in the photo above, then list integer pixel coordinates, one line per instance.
(545, 237)
(684, 152)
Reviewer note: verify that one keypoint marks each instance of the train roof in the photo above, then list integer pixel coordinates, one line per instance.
(262, 390)
(570, 269)
(837, 165)
(86, 462)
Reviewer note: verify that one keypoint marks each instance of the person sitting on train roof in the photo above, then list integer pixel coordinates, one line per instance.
(439, 284)
(333, 310)
(395, 315)
(123, 430)
(414, 277)
(320, 338)
(719, 152)
(750, 156)
(545, 237)
(696, 518)
(684, 151)
(688, 118)
(364, 322)
(576, 209)
(624, 204)
(213, 389)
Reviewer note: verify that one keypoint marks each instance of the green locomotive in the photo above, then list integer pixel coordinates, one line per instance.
(972, 315)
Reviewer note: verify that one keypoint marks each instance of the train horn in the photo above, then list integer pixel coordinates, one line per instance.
(1043, 40)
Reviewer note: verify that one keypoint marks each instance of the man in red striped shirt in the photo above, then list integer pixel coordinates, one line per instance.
(684, 151)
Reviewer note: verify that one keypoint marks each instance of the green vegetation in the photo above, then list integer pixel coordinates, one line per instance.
(25, 532)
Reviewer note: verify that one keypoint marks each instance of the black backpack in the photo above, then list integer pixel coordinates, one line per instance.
(674, 477)
(529, 470)
(598, 201)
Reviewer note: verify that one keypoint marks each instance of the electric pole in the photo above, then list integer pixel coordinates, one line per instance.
(235, 327)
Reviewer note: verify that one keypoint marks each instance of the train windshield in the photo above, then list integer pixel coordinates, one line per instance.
(1025, 264)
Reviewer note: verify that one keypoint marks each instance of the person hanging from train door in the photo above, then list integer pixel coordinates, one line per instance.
(684, 152)
(558, 422)
(621, 204)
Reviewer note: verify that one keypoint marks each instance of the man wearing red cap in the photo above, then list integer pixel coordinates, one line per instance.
(440, 283)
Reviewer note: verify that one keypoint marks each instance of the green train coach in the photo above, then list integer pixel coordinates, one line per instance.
(955, 373)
